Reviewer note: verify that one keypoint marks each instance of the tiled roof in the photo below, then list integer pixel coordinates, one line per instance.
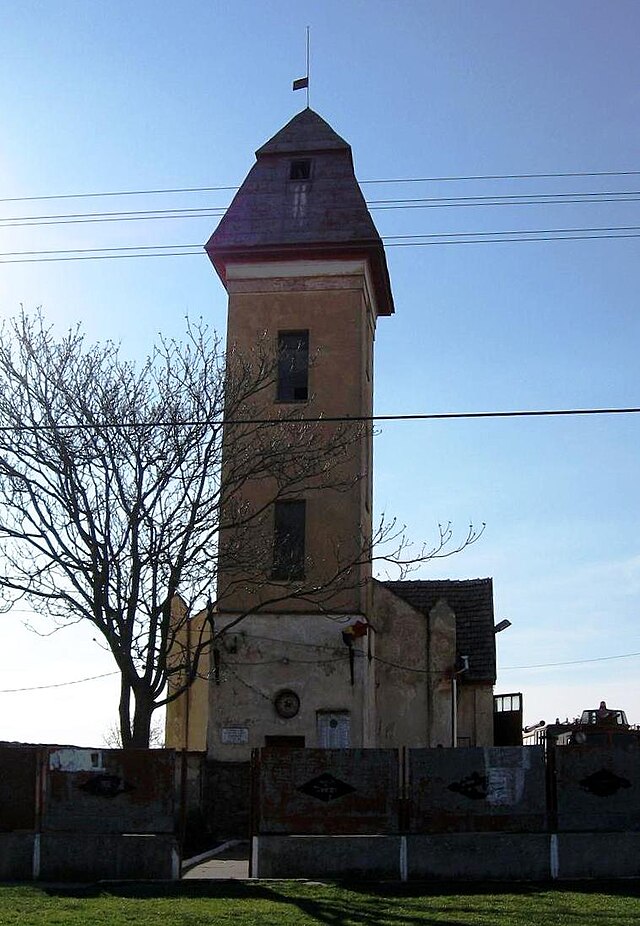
(274, 217)
(472, 602)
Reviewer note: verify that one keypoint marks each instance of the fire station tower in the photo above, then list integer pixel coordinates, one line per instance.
(305, 272)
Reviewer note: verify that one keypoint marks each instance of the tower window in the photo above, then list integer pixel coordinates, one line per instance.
(300, 170)
(288, 539)
(293, 366)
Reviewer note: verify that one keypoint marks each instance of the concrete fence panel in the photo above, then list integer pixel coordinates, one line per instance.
(18, 787)
(597, 788)
(98, 856)
(498, 789)
(109, 791)
(16, 856)
(328, 791)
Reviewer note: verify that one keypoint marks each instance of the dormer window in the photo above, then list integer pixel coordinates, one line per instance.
(300, 169)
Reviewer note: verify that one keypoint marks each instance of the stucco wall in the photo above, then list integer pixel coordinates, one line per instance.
(332, 301)
(401, 694)
(186, 717)
(268, 653)
(391, 706)
(475, 714)
(415, 656)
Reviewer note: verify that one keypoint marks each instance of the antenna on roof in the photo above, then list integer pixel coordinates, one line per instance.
(302, 83)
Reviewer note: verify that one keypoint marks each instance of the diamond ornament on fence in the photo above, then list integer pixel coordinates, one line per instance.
(326, 788)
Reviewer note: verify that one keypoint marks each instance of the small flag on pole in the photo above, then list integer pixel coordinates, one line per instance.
(301, 83)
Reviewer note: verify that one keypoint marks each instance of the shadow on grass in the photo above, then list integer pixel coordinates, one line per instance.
(331, 904)
(282, 888)
(360, 903)
(622, 888)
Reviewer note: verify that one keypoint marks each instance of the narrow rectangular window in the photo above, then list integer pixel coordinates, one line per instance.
(289, 539)
(293, 366)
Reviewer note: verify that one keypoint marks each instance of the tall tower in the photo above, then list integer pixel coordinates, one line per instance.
(306, 275)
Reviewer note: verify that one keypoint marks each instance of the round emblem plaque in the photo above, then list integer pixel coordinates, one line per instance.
(287, 703)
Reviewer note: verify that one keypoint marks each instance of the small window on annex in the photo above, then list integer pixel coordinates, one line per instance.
(293, 366)
(300, 170)
(289, 539)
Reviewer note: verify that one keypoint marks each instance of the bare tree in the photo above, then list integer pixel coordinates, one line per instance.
(112, 736)
(115, 489)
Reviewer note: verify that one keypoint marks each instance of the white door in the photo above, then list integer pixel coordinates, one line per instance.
(334, 729)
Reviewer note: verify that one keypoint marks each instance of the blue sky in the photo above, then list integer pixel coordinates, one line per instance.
(106, 97)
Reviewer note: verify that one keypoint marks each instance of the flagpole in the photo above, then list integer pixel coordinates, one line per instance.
(307, 67)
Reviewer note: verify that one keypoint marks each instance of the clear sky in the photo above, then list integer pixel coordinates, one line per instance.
(120, 96)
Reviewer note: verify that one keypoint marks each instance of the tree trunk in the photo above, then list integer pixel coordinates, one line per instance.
(142, 721)
(124, 713)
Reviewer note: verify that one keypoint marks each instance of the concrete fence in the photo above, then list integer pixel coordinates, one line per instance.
(469, 814)
(502, 813)
(327, 791)
(85, 814)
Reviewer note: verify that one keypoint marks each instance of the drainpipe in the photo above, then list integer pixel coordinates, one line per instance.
(463, 662)
(454, 710)
(187, 705)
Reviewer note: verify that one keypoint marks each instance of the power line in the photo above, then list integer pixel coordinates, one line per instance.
(524, 199)
(328, 419)
(389, 180)
(395, 665)
(388, 239)
(53, 260)
(542, 665)
(461, 238)
(72, 218)
(425, 244)
(582, 173)
(77, 681)
(573, 662)
(492, 196)
(508, 201)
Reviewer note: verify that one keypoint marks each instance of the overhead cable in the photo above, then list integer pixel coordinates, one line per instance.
(197, 250)
(395, 665)
(321, 419)
(213, 211)
(389, 180)
(77, 681)
(389, 240)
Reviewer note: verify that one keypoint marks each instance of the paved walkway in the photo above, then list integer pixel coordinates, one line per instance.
(232, 862)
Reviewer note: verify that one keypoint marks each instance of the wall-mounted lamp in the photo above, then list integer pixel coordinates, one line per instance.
(501, 626)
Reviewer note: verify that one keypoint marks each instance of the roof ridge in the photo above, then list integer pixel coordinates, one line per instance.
(478, 579)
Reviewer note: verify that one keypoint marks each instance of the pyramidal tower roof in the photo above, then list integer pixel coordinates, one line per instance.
(301, 201)
(307, 131)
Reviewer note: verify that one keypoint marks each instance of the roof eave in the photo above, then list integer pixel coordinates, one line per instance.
(373, 251)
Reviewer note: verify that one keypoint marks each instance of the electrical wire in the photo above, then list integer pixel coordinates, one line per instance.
(390, 240)
(395, 665)
(329, 419)
(77, 681)
(389, 180)
(395, 244)
(573, 662)
(521, 199)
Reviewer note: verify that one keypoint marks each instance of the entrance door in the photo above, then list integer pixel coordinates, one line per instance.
(284, 742)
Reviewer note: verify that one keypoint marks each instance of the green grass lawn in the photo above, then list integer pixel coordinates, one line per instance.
(281, 903)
